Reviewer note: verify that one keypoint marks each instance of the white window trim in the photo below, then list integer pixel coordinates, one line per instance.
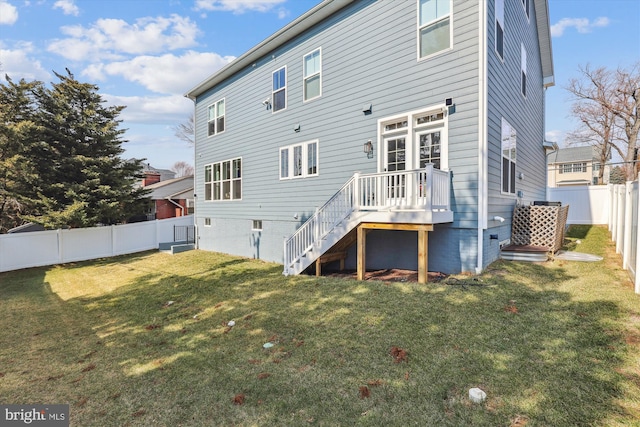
(285, 88)
(304, 78)
(514, 161)
(215, 104)
(499, 19)
(413, 129)
(418, 27)
(213, 180)
(305, 159)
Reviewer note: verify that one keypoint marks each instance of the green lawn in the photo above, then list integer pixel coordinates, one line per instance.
(144, 340)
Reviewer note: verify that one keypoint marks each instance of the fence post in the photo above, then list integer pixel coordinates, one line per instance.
(628, 228)
(113, 240)
(60, 246)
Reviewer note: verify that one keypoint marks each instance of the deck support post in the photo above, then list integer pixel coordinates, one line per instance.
(423, 255)
(362, 253)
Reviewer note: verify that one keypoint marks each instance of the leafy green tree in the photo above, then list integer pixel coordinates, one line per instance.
(78, 178)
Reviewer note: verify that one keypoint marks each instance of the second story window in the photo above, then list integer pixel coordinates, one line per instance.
(434, 26)
(499, 36)
(279, 94)
(215, 121)
(312, 65)
(523, 69)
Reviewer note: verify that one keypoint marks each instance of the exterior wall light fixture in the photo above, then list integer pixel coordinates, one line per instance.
(368, 148)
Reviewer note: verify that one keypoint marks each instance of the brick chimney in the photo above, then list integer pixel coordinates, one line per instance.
(150, 178)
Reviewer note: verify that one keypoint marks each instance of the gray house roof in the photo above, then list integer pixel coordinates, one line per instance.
(329, 7)
(573, 154)
(176, 188)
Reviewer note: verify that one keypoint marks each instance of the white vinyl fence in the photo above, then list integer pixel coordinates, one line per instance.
(39, 248)
(617, 207)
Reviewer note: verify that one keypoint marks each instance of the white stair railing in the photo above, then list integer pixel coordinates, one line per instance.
(424, 189)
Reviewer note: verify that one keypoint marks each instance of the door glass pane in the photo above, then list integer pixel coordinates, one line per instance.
(396, 154)
(429, 149)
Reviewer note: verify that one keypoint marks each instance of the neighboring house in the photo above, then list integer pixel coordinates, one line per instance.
(152, 175)
(576, 166)
(171, 198)
(26, 228)
(380, 134)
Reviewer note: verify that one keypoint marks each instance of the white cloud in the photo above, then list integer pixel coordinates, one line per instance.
(17, 64)
(110, 38)
(8, 13)
(67, 6)
(168, 73)
(582, 25)
(239, 6)
(555, 135)
(151, 110)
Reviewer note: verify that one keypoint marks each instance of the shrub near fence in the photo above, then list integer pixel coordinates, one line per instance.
(39, 248)
(617, 207)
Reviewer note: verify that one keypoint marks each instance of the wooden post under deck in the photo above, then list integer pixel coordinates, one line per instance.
(423, 245)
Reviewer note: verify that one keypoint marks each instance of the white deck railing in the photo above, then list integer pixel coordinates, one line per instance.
(425, 189)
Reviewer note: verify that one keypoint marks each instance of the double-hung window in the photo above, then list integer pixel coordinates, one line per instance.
(525, 4)
(499, 36)
(312, 75)
(299, 160)
(223, 180)
(508, 145)
(216, 118)
(434, 27)
(279, 94)
(523, 69)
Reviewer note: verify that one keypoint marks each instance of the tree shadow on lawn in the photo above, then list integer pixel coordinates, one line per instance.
(167, 355)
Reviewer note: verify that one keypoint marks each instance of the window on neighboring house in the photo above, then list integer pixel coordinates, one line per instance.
(223, 180)
(207, 222)
(523, 68)
(299, 160)
(279, 94)
(508, 145)
(499, 11)
(216, 118)
(525, 4)
(312, 65)
(434, 26)
(256, 225)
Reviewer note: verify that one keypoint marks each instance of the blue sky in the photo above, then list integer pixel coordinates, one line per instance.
(146, 54)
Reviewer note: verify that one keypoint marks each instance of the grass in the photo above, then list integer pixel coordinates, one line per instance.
(144, 340)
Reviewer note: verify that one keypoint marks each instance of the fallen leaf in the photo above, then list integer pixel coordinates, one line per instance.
(238, 399)
(151, 327)
(82, 401)
(375, 383)
(364, 392)
(398, 354)
(140, 412)
(263, 375)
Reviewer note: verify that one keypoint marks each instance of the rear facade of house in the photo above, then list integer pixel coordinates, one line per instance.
(405, 115)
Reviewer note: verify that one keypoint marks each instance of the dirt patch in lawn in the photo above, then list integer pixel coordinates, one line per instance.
(388, 275)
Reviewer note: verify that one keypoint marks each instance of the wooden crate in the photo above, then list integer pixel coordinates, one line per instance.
(541, 226)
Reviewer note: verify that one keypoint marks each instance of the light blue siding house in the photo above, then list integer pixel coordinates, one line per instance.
(377, 134)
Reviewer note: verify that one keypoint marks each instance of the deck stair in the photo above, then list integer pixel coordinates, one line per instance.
(413, 196)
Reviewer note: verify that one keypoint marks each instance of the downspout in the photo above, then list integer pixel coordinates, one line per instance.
(176, 204)
(482, 132)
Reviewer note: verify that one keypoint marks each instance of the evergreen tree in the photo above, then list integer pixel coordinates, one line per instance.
(18, 149)
(78, 178)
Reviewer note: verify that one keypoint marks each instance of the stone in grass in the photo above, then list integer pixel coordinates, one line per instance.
(476, 395)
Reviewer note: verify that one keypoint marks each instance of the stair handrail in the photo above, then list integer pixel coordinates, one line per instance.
(319, 224)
